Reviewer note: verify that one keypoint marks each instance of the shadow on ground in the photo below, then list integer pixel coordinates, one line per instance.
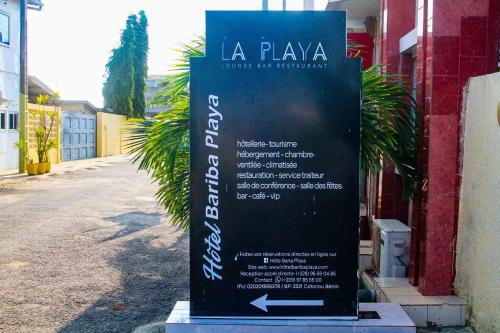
(133, 222)
(154, 278)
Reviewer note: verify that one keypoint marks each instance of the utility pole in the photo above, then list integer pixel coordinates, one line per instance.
(23, 83)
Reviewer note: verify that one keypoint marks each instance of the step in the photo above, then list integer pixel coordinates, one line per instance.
(392, 320)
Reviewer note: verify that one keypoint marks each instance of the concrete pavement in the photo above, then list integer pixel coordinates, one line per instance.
(87, 249)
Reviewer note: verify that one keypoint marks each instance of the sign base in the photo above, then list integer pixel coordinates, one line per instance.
(392, 319)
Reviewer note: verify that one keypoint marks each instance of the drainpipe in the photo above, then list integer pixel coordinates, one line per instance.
(23, 84)
(23, 73)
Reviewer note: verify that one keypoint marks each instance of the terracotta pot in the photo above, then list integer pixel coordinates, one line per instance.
(48, 165)
(32, 169)
(41, 168)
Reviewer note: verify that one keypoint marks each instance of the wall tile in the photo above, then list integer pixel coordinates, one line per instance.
(446, 15)
(440, 204)
(473, 36)
(444, 95)
(446, 55)
(470, 67)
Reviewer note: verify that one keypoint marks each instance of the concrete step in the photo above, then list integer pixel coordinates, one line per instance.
(425, 311)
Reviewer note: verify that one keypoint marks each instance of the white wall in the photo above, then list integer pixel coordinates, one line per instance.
(9, 85)
(478, 241)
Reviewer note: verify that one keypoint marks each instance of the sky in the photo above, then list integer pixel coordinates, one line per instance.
(70, 41)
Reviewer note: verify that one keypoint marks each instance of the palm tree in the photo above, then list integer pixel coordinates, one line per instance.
(389, 120)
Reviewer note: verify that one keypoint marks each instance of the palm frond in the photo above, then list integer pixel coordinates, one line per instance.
(390, 123)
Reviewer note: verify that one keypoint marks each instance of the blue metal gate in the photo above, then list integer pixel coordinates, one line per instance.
(78, 136)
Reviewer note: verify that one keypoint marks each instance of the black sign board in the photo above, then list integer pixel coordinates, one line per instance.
(275, 142)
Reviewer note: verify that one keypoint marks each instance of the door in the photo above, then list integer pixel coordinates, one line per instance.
(79, 133)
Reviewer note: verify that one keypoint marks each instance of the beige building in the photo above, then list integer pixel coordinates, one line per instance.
(478, 242)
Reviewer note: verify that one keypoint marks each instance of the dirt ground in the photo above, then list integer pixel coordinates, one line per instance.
(87, 250)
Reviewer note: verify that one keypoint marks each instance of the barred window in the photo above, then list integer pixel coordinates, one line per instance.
(2, 120)
(13, 121)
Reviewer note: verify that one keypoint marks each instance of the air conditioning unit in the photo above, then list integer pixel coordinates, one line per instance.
(394, 241)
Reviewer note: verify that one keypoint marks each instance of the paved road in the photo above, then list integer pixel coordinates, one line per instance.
(87, 251)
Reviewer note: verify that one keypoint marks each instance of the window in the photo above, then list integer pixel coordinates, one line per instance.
(13, 121)
(286, 4)
(4, 29)
(2, 120)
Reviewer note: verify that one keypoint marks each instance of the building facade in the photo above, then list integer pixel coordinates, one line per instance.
(10, 59)
(437, 46)
(9, 83)
(153, 84)
(477, 264)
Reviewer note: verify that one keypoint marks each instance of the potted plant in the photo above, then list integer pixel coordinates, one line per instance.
(31, 167)
(51, 144)
(44, 142)
(40, 134)
(22, 146)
